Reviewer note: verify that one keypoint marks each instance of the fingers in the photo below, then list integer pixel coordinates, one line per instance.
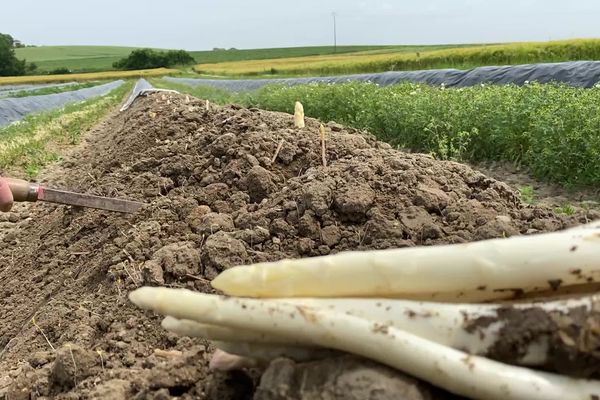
(6, 197)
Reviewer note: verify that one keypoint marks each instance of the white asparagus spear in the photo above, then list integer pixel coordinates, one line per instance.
(474, 328)
(298, 115)
(263, 353)
(242, 345)
(478, 271)
(453, 370)
(189, 328)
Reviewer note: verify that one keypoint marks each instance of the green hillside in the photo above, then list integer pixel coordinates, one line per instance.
(75, 58)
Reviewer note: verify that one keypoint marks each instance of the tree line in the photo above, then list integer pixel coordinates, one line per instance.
(10, 65)
(148, 58)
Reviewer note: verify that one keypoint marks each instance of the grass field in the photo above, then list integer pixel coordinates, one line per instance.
(15, 80)
(303, 61)
(211, 57)
(75, 58)
(412, 59)
(101, 58)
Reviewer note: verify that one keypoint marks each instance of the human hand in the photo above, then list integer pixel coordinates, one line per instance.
(6, 197)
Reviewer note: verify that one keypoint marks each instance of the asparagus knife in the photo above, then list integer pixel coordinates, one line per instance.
(24, 191)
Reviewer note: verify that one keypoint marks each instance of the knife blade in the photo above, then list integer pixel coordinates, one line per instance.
(24, 191)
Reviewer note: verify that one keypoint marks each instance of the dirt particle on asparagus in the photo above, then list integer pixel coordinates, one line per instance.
(469, 362)
(380, 328)
(517, 292)
(555, 283)
(307, 314)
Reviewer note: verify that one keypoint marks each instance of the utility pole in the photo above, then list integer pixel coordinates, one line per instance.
(333, 14)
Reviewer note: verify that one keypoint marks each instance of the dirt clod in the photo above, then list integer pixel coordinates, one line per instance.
(353, 201)
(260, 183)
(222, 251)
(72, 365)
(178, 259)
(344, 377)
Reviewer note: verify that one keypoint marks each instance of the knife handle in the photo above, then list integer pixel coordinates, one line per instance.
(22, 190)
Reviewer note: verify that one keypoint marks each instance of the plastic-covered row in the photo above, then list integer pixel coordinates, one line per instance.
(142, 87)
(15, 109)
(583, 74)
(9, 90)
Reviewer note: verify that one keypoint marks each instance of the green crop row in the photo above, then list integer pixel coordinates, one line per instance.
(553, 130)
(30, 144)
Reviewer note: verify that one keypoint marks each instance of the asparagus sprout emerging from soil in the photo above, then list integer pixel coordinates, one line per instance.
(299, 115)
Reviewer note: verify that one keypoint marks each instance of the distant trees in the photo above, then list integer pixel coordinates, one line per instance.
(10, 65)
(148, 58)
(8, 39)
(14, 43)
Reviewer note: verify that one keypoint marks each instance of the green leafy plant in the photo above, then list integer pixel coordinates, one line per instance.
(527, 195)
(551, 129)
(148, 58)
(566, 209)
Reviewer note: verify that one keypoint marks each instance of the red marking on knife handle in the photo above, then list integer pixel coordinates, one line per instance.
(40, 193)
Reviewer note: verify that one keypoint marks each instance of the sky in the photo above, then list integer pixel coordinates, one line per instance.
(205, 24)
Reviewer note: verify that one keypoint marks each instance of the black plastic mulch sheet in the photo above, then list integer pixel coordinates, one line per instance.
(14, 109)
(583, 74)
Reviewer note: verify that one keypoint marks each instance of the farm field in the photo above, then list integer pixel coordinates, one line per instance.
(306, 61)
(74, 58)
(229, 183)
(411, 59)
(16, 80)
(101, 58)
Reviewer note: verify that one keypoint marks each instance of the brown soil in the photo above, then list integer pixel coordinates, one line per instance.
(573, 337)
(214, 199)
(549, 194)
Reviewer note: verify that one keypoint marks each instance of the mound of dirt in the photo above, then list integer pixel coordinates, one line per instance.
(216, 197)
